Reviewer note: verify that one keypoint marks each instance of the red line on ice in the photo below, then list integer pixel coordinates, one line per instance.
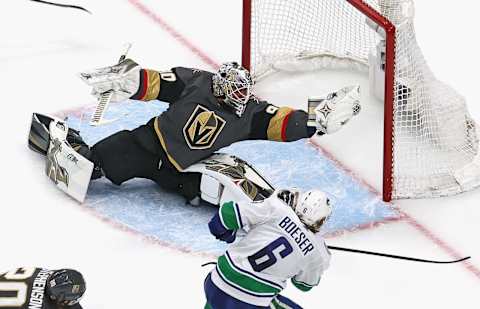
(362, 227)
(174, 33)
(349, 171)
(407, 218)
(442, 244)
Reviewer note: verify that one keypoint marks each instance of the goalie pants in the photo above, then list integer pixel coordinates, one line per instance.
(138, 154)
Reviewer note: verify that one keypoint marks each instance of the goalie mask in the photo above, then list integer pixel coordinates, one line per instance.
(313, 208)
(66, 287)
(235, 84)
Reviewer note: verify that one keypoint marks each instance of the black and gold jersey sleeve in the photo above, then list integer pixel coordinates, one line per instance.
(282, 124)
(165, 86)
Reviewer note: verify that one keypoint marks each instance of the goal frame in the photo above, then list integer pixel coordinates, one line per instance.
(389, 99)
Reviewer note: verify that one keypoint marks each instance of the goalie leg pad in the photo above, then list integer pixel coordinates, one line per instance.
(211, 189)
(39, 140)
(39, 136)
(69, 170)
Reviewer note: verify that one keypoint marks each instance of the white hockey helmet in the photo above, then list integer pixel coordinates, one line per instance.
(313, 208)
(234, 83)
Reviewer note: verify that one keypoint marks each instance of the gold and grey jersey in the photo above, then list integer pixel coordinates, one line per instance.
(197, 124)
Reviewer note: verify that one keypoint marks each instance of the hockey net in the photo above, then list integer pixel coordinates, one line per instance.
(430, 141)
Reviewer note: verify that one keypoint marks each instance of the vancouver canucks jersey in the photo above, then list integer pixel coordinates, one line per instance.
(24, 288)
(276, 247)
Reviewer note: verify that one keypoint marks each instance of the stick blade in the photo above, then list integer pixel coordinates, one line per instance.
(97, 116)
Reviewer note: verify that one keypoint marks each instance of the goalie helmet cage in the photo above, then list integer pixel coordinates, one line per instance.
(430, 142)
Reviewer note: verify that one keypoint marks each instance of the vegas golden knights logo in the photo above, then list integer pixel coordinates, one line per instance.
(202, 128)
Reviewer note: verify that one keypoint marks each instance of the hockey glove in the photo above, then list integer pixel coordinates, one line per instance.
(289, 196)
(329, 114)
(123, 79)
(219, 231)
(228, 236)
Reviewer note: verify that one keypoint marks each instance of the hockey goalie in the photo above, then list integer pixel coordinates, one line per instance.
(207, 111)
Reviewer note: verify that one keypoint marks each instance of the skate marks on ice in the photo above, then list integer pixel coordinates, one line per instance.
(142, 206)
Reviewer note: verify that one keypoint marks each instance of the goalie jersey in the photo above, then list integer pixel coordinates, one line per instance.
(196, 124)
(276, 247)
(24, 288)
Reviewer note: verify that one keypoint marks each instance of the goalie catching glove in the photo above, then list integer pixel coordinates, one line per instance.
(123, 79)
(329, 113)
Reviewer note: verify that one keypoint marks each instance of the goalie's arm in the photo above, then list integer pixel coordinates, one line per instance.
(164, 86)
(282, 124)
(326, 115)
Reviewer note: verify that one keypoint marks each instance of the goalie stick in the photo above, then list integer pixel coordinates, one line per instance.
(106, 97)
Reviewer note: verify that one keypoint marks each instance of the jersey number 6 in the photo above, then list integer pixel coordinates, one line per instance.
(265, 258)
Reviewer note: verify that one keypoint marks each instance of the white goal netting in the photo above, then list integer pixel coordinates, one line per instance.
(435, 143)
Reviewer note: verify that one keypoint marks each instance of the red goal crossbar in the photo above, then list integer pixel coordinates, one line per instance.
(390, 32)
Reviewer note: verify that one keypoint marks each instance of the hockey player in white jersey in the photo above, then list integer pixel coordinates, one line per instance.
(281, 242)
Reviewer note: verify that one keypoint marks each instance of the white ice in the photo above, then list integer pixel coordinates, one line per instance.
(41, 50)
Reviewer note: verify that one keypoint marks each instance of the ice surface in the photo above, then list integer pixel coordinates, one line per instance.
(41, 50)
(143, 206)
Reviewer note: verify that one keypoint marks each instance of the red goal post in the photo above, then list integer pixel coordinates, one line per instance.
(399, 181)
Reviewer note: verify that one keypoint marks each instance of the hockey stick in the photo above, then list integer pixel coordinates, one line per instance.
(106, 97)
(396, 256)
(399, 257)
(63, 5)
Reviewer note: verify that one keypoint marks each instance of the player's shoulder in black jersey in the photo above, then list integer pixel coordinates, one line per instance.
(24, 288)
(187, 75)
(176, 80)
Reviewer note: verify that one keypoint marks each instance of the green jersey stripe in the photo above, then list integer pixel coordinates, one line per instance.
(246, 282)
(229, 216)
(277, 305)
(301, 286)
